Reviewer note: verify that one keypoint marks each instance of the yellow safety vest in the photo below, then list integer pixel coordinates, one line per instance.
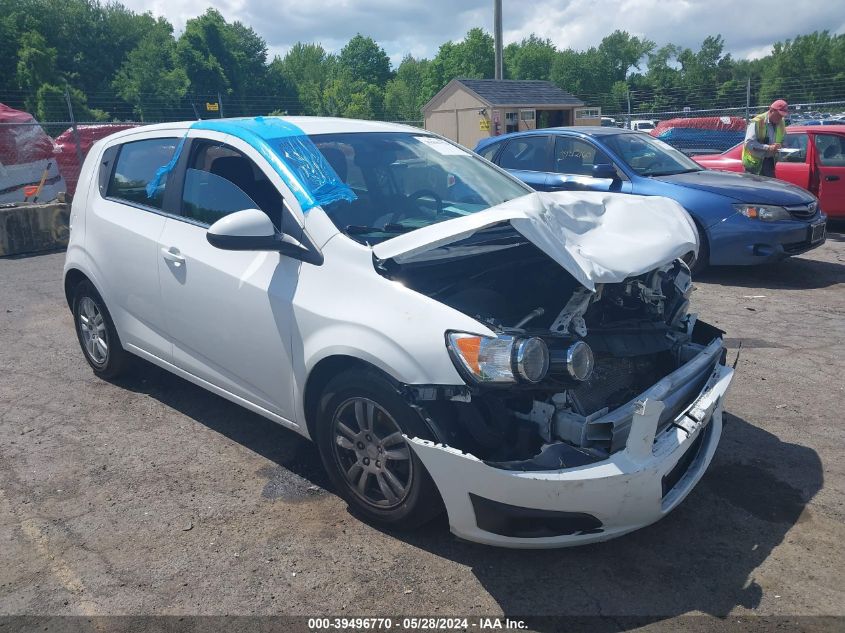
(751, 162)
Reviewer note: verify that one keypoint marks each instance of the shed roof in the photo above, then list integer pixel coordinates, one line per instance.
(498, 92)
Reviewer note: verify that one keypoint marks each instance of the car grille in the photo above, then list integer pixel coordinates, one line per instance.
(803, 211)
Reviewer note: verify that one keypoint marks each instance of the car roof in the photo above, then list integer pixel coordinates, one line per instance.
(308, 124)
(817, 129)
(584, 130)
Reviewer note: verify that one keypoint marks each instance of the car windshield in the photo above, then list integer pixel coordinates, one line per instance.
(649, 156)
(404, 181)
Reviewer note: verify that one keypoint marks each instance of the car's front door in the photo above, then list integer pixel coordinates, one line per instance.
(228, 312)
(573, 161)
(794, 167)
(529, 159)
(830, 163)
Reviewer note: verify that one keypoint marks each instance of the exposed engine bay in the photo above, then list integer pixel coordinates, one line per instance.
(575, 359)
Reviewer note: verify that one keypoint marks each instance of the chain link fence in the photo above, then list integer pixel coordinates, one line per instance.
(716, 130)
(43, 144)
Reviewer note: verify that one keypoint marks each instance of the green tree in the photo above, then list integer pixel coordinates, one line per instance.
(808, 68)
(406, 93)
(365, 60)
(471, 58)
(623, 52)
(532, 58)
(346, 96)
(150, 78)
(307, 67)
(282, 89)
(36, 65)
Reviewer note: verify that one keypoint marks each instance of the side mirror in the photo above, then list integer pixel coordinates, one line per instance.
(252, 230)
(605, 170)
(248, 230)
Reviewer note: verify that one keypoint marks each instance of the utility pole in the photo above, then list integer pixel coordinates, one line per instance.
(497, 37)
(73, 127)
(748, 100)
(628, 91)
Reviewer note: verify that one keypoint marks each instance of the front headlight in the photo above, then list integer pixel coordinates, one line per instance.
(503, 359)
(767, 212)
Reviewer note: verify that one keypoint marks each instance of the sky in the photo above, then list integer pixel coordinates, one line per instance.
(418, 27)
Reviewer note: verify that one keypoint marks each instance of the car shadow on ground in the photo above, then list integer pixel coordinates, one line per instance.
(701, 557)
(795, 273)
(298, 457)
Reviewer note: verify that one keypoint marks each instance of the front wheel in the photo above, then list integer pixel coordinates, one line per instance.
(699, 263)
(362, 424)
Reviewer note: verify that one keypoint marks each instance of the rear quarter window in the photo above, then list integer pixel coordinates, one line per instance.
(136, 165)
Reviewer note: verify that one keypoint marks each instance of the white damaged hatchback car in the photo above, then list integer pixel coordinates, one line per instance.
(448, 337)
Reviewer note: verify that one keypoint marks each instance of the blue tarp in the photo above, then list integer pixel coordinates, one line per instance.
(289, 151)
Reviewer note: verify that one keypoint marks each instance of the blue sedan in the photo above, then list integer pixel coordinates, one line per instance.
(741, 219)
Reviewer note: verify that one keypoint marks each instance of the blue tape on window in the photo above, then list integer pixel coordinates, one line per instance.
(293, 156)
(162, 171)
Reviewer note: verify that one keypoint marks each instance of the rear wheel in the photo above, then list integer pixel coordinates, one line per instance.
(96, 332)
(361, 425)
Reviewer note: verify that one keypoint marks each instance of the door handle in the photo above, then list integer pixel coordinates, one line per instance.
(172, 254)
(831, 178)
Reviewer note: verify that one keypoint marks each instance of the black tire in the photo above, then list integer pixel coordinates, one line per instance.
(420, 502)
(698, 264)
(107, 361)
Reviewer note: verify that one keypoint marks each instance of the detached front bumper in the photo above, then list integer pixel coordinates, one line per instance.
(634, 487)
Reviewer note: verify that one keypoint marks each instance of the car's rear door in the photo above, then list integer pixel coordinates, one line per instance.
(528, 158)
(795, 167)
(830, 165)
(228, 312)
(122, 237)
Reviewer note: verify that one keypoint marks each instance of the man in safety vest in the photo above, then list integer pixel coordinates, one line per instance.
(764, 139)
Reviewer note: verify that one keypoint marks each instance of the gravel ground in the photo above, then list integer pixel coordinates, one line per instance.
(152, 496)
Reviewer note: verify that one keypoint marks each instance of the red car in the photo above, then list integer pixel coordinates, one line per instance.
(818, 165)
(65, 148)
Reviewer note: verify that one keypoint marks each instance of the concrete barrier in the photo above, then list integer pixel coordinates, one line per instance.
(30, 228)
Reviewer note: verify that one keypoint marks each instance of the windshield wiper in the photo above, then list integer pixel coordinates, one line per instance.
(673, 173)
(358, 229)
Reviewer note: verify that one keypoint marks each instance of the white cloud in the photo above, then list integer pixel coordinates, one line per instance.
(420, 27)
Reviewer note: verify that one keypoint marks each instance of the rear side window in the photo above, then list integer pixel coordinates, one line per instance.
(136, 166)
(831, 150)
(490, 151)
(527, 153)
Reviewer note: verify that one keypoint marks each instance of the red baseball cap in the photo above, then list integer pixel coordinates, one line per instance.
(781, 106)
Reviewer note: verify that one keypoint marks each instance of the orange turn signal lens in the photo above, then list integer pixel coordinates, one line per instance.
(469, 348)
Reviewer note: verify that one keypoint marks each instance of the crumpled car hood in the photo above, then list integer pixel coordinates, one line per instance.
(597, 237)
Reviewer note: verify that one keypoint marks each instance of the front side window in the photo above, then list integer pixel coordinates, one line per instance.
(649, 156)
(137, 163)
(831, 150)
(404, 181)
(220, 180)
(795, 142)
(575, 156)
(527, 154)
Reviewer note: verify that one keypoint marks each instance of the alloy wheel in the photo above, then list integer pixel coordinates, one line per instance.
(92, 326)
(372, 453)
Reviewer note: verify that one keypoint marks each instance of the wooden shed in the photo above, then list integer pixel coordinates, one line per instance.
(467, 110)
